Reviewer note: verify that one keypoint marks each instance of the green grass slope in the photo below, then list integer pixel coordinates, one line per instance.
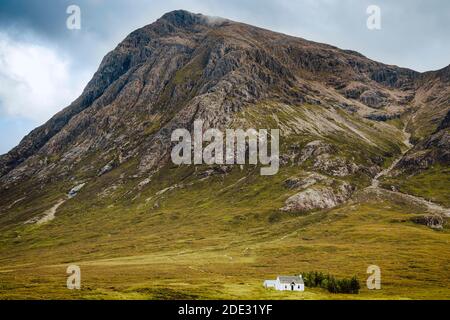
(184, 235)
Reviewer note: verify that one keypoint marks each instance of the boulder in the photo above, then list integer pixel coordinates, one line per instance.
(74, 191)
(107, 168)
(318, 198)
(432, 221)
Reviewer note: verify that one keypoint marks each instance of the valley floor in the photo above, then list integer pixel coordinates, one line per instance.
(231, 257)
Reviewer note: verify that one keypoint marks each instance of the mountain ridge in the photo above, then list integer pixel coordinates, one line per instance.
(189, 66)
(116, 64)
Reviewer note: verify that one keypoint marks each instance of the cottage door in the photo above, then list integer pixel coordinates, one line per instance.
(292, 286)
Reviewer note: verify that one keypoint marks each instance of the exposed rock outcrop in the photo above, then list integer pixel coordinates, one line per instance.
(74, 191)
(318, 198)
(315, 149)
(373, 99)
(431, 151)
(304, 183)
(335, 166)
(432, 221)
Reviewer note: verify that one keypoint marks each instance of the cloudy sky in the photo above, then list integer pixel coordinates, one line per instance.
(44, 65)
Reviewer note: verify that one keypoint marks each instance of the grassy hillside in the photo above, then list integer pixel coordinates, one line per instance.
(189, 235)
(223, 247)
(432, 184)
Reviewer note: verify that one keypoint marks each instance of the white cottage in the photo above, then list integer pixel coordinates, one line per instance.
(286, 283)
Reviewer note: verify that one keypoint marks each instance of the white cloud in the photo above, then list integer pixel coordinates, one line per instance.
(35, 81)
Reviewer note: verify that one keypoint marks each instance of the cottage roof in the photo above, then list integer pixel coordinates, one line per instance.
(290, 279)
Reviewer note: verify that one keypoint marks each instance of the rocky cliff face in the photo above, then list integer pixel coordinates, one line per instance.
(188, 66)
(430, 123)
(433, 150)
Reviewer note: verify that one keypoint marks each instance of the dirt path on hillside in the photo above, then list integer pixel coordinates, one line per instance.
(385, 172)
(49, 215)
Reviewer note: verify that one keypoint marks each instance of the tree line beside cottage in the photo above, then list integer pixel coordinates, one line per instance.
(331, 283)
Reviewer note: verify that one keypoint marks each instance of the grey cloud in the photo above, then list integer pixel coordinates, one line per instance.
(414, 32)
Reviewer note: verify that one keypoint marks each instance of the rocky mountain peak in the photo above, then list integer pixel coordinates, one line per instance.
(186, 19)
(187, 66)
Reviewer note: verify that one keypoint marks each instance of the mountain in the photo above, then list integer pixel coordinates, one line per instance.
(364, 146)
(185, 62)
